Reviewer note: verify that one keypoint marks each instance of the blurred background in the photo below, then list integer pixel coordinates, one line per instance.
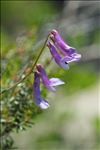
(73, 120)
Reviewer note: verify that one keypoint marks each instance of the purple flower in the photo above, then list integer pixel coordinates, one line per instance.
(49, 83)
(39, 101)
(64, 48)
(61, 61)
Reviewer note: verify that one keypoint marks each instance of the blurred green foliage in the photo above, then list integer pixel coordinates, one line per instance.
(25, 13)
(84, 39)
(76, 78)
(18, 110)
(96, 127)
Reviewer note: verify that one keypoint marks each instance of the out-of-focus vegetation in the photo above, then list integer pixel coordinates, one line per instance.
(22, 25)
(17, 14)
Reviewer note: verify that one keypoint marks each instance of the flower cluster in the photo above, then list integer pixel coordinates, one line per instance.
(63, 54)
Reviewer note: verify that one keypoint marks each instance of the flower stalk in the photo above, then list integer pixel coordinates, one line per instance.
(62, 54)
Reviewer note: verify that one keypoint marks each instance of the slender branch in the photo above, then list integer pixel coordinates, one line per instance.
(31, 70)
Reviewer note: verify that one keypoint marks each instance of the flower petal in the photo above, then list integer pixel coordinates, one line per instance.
(42, 103)
(70, 50)
(51, 88)
(54, 52)
(56, 81)
(64, 63)
(76, 56)
(67, 59)
(63, 47)
(57, 57)
(44, 78)
(61, 44)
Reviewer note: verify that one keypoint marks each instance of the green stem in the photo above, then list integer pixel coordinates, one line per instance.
(31, 70)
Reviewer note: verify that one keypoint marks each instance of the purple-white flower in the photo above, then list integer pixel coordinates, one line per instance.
(64, 48)
(48, 83)
(39, 101)
(61, 61)
(63, 54)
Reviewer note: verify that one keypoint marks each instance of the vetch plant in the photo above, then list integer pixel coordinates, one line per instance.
(62, 53)
(61, 61)
(68, 52)
(48, 83)
(18, 108)
(39, 101)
